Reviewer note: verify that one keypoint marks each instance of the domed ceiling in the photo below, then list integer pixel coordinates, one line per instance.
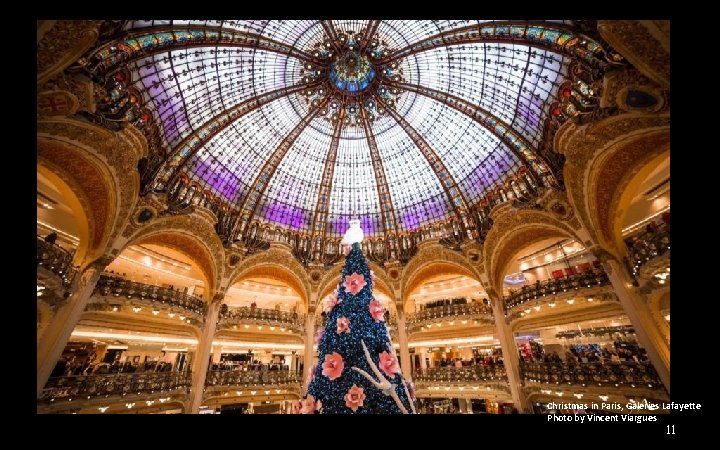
(305, 123)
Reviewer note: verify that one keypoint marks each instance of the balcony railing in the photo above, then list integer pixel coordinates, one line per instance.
(647, 245)
(109, 285)
(555, 286)
(628, 374)
(83, 387)
(462, 374)
(251, 378)
(55, 259)
(472, 311)
(260, 316)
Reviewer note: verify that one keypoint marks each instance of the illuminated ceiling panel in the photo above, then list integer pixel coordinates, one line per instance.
(188, 86)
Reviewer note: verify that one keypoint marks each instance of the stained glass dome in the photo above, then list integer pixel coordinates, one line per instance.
(305, 124)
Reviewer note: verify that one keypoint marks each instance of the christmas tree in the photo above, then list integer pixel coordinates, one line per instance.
(357, 371)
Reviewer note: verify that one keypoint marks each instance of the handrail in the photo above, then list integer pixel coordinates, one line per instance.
(109, 285)
(444, 311)
(647, 245)
(634, 374)
(250, 377)
(462, 374)
(116, 384)
(555, 286)
(56, 259)
(235, 316)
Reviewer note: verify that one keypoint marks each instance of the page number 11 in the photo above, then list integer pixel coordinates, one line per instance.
(671, 429)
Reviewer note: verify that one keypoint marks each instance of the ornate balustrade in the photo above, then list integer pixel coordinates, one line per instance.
(55, 259)
(85, 387)
(467, 374)
(469, 311)
(251, 378)
(149, 295)
(556, 286)
(625, 374)
(647, 245)
(259, 316)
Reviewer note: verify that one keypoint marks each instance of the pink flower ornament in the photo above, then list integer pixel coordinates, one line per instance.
(354, 397)
(333, 365)
(377, 311)
(354, 283)
(389, 364)
(343, 325)
(346, 249)
(309, 405)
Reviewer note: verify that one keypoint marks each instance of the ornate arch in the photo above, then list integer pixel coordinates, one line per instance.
(434, 254)
(275, 263)
(615, 178)
(513, 231)
(602, 161)
(191, 235)
(430, 269)
(100, 168)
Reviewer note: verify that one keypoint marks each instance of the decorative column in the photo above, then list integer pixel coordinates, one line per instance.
(405, 364)
(202, 354)
(511, 361)
(53, 341)
(309, 341)
(646, 329)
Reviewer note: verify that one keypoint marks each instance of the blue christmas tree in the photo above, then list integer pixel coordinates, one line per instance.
(357, 371)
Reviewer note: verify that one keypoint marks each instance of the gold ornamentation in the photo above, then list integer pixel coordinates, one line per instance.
(63, 44)
(188, 234)
(584, 144)
(636, 43)
(115, 155)
(285, 266)
(57, 103)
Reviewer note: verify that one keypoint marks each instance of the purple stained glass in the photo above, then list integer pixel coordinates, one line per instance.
(185, 88)
(527, 116)
(286, 215)
(227, 185)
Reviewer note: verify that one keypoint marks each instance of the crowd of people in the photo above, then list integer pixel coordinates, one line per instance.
(66, 368)
(617, 352)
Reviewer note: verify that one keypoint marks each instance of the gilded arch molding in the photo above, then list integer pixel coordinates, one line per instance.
(190, 235)
(513, 231)
(616, 175)
(90, 184)
(431, 254)
(278, 259)
(616, 148)
(103, 167)
(429, 270)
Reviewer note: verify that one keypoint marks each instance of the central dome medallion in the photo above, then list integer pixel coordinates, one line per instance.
(351, 73)
(350, 80)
